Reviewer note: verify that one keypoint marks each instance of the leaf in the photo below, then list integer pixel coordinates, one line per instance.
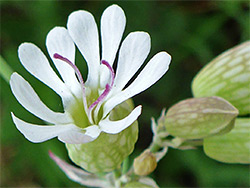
(198, 118)
(233, 147)
(5, 70)
(227, 76)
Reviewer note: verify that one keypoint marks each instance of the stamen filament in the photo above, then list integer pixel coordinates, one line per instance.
(78, 74)
(107, 87)
(104, 94)
(111, 71)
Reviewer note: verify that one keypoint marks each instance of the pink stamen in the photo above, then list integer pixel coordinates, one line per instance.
(78, 74)
(102, 96)
(111, 71)
(107, 87)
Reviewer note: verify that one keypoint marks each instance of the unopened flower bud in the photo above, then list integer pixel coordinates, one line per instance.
(198, 118)
(145, 163)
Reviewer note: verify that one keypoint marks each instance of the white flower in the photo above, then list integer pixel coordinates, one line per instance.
(87, 105)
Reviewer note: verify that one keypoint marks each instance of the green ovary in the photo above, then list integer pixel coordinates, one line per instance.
(107, 152)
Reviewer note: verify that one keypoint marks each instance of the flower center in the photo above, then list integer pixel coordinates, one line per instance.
(101, 98)
(108, 87)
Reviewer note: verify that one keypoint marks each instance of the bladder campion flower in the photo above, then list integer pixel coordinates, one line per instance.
(89, 107)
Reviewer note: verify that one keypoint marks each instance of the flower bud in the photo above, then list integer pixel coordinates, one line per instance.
(198, 118)
(233, 147)
(145, 163)
(109, 150)
(227, 76)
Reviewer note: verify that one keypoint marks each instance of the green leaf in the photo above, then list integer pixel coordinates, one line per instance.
(5, 70)
(198, 118)
(233, 147)
(227, 76)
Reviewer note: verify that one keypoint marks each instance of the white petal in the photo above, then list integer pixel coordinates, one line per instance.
(77, 174)
(37, 64)
(114, 127)
(113, 23)
(59, 41)
(151, 73)
(134, 50)
(83, 30)
(75, 137)
(40, 133)
(28, 98)
(67, 133)
(93, 131)
(79, 137)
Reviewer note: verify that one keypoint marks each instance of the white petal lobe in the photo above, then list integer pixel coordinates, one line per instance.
(59, 41)
(83, 30)
(37, 64)
(134, 50)
(93, 131)
(114, 127)
(40, 133)
(151, 73)
(113, 23)
(75, 136)
(28, 98)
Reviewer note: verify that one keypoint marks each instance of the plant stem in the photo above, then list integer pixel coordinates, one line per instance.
(154, 147)
(117, 175)
(125, 165)
(5, 70)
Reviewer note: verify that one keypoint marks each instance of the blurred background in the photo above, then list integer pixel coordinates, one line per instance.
(192, 32)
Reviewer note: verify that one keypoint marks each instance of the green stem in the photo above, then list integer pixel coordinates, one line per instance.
(5, 70)
(195, 142)
(125, 165)
(116, 173)
(154, 147)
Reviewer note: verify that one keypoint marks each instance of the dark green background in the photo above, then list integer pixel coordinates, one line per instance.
(192, 32)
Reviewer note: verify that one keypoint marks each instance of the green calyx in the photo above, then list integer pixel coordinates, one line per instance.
(233, 147)
(107, 152)
(227, 76)
(198, 118)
